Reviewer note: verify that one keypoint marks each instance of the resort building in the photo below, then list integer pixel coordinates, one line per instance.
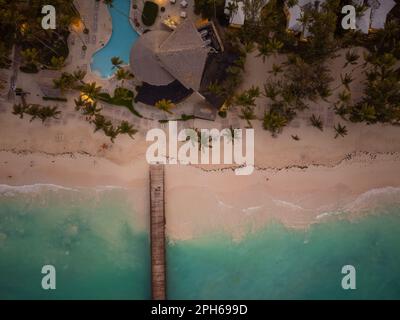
(235, 11)
(374, 14)
(295, 14)
(160, 57)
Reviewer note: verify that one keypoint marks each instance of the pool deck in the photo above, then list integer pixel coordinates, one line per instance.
(172, 11)
(98, 20)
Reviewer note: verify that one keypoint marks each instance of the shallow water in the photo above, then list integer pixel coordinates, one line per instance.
(278, 263)
(120, 44)
(89, 236)
(93, 239)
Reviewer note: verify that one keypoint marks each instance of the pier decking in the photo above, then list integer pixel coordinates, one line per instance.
(157, 225)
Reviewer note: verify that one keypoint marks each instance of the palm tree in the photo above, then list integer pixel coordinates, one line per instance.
(271, 90)
(274, 122)
(116, 62)
(264, 51)
(65, 82)
(126, 128)
(19, 110)
(342, 107)
(232, 8)
(198, 138)
(123, 75)
(79, 103)
(111, 132)
(366, 113)
(276, 69)
(165, 105)
(248, 97)
(30, 56)
(316, 122)
(232, 134)
(216, 88)
(79, 75)
(247, 113)
(57, 63)
(91, 109)
(346, 80)
(101, 123)
(274, 45)
(351, 58)
(91, 90)
(345, 97)
(48, 112)
(33, 110)
(341, 130)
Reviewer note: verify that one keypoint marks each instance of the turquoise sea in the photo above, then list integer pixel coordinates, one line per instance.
(100, 252)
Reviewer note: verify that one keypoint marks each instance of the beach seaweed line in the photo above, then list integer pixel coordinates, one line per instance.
(356, 156)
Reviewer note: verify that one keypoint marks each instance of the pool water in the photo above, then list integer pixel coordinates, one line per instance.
(121, 41)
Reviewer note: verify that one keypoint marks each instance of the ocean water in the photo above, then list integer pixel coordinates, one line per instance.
(120, 44)
(277, 263)
(92, 238)
(89, 236)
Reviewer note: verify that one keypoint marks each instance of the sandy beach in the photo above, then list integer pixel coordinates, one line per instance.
(296, 183)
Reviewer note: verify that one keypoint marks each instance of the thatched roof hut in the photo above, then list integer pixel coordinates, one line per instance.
(159, 57)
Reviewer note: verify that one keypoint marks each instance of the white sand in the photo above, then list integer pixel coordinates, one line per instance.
(206, 199)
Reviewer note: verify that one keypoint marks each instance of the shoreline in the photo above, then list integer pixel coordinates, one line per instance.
(201, 202)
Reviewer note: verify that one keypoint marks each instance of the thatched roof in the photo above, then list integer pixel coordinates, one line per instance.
(160, 57)
(144, 62)
(184, 55)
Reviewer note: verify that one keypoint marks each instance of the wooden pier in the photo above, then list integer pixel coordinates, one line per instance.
(157, 230)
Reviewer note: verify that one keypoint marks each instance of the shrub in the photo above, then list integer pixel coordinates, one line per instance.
(222, 114)
(150, 12)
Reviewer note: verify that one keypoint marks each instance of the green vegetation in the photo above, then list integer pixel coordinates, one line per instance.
(165, 105)
(122, 97)
(20, 25)
(232, 78)
(247, 101)
(150, 12)
(36, 111)
(305, 77)
(340, 130)
(381, 101)
(92, 112)
(317, 122)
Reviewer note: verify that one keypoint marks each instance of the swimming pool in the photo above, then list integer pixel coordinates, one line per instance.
(121, 41)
